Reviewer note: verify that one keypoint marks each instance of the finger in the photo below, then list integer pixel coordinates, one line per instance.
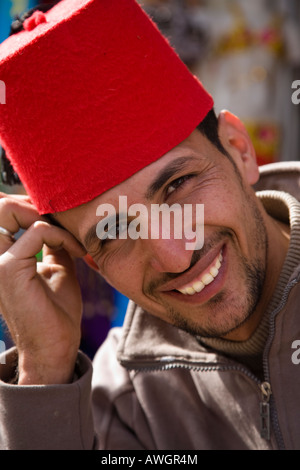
(6, 240)
(58, 257)
(16, 213)
(23, 197)
(42, 233)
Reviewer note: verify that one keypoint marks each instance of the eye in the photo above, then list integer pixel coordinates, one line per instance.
(176, 184)
(111, 233)
(114, 232)
(121, 229)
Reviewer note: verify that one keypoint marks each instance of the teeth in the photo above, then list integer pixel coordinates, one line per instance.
(206, 279)
(190, 290)
(214, 271)
(198, 286)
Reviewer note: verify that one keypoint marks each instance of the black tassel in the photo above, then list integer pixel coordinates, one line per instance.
(8, 174)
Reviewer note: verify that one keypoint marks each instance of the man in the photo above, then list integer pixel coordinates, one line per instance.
(204, 358)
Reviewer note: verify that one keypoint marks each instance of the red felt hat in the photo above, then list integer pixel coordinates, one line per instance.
(94, 93)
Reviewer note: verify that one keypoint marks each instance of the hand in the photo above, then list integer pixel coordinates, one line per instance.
(40, 301)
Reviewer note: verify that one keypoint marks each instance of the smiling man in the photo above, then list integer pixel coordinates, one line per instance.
(174, 283)
(206, 345)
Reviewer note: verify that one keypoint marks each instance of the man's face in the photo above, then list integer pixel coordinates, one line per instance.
(161, 275)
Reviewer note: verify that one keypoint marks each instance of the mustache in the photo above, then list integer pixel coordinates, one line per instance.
(210, 243)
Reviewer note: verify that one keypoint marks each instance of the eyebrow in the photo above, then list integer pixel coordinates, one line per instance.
(91, 235)
(163, 176)
(166, 173)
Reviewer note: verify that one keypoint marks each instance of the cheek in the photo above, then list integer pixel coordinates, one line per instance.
(221, 194)
(223, 205)
(233, 209)
(124, 273)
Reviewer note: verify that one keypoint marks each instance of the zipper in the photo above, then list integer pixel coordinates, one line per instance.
(264, 408)
(273, 415)
(168, 363)
(267, 413)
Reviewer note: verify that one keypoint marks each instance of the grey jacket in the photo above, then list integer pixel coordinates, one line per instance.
(156, 387)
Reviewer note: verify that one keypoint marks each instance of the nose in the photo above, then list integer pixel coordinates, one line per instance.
(167, 255)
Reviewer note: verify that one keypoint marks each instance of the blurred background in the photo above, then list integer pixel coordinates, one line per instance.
(247, 55)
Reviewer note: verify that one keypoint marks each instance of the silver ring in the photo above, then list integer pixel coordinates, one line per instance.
(7, 233)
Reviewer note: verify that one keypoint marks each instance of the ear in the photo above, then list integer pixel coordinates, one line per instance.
(238, 144)
(91, 263)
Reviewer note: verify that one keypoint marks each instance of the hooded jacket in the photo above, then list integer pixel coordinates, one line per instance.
(157, 387)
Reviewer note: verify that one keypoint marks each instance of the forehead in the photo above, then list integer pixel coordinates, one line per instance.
(191, 152)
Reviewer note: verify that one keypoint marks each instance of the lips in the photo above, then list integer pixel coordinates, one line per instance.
(198, 273)
(205, 278)
(211, 271)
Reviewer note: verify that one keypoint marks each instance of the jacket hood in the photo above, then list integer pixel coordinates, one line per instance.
(281, 176)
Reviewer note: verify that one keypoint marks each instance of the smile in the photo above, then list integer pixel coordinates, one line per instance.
(204, 279)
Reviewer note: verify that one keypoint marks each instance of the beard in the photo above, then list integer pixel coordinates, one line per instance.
(228, 310)
(235, 309)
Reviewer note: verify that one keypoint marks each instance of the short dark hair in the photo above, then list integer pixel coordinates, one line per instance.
(209, 127)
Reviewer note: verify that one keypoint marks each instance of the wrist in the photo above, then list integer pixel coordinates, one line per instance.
(38, 373)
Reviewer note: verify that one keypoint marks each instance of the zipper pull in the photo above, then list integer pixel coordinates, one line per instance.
(264, 407)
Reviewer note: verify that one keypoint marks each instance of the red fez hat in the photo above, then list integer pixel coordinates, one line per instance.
(94, 93)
